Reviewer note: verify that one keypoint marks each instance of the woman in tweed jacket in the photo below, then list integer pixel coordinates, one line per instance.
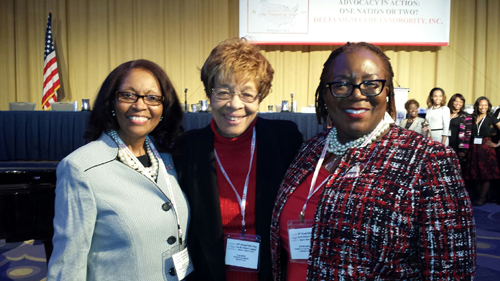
(391, 205)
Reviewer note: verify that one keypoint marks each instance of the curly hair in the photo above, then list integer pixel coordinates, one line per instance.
(321, 110)
(410, 102)
(430, 103)
(236, 60)
(101, 118)
(452, 100)
(475, 114)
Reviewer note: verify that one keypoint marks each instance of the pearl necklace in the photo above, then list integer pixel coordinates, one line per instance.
(335, 147)
(126, 157)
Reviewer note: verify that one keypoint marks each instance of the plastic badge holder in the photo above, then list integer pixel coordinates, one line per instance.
(246, 243)
(299, 240)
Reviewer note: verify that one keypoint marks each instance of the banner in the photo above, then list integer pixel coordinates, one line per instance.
(335, 22)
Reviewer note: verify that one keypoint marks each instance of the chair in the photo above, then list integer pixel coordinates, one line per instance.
(21, 106)
(63, 106)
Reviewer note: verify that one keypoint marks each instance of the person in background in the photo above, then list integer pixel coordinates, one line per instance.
(438, 115)
(413, 122)
(119, 211)
(367, 200)
(460, 129)
(238, 158)
(496, 139)
(482, 165)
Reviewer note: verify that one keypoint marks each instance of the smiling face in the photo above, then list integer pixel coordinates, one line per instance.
(413, 110)
(137, 120)
(437, 98)
(356, 115)
(457, 104)
(483, 107)
(234, 116)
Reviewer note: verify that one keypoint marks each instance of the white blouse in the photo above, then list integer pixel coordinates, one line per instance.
(439, 122)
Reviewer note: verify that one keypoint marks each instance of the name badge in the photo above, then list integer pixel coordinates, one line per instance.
(242, 252)
(183, 264)
(299, 239)
(478, 140)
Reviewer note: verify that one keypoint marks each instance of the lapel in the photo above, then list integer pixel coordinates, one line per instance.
(268, 166)
(270, 169)
(109, 152)
(162, 177)
(108, 149)
(306, 165)
(403, 123)
(204, 194)
(414, 124)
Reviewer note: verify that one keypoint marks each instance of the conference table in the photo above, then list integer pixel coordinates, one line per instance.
(52, 135)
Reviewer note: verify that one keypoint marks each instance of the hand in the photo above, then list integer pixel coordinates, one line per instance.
(491, 144)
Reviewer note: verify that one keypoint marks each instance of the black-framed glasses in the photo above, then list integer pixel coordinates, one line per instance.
(369, 88)
(224, 93)
(129, 97)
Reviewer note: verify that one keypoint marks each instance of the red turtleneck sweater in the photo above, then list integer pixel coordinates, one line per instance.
(234, 155)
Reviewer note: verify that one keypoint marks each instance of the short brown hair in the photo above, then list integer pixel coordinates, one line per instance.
(236, 58)
(410, 102)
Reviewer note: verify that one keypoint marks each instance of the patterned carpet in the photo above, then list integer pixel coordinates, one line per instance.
(23, 261)
(488, 242)
(26, 260)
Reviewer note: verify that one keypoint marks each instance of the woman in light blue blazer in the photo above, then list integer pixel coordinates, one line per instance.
(119, 211)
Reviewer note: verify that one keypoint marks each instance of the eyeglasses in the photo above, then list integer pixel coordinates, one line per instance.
(247, 96)
(369, 88)
(129, 97)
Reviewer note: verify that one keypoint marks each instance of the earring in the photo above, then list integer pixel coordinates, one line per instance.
(161, 118)
(113, 112)
(387, 99)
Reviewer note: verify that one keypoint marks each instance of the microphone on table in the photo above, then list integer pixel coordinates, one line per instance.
(291, 95)
(185, 99)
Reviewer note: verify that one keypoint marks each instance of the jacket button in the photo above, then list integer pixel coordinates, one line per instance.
(166, 206)
(171, 240)
(172, 271)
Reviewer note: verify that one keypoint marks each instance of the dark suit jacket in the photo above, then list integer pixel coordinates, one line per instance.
(278, 142)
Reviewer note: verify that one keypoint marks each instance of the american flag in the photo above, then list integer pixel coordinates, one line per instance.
(50, 74)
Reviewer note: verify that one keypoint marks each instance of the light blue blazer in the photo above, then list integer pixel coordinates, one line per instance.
(111, 222)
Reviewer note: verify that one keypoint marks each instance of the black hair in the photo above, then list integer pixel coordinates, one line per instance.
(102, 120)
(475, 114)
(321, 111)
(452, 99)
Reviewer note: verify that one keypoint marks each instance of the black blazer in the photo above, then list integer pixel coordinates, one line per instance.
(278, 142)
